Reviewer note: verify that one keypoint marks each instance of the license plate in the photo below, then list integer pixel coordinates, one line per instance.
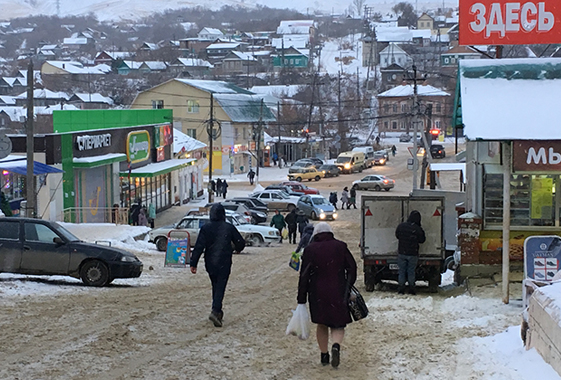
(394, 267)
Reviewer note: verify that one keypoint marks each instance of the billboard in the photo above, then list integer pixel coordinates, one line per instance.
(498, 22)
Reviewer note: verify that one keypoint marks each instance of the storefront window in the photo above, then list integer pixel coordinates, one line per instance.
(155, 190)
(532, 200)
(13, 185)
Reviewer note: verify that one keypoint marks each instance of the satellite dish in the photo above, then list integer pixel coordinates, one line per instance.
(5, 146)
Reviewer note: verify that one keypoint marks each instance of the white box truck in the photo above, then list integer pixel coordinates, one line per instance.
(380, 217)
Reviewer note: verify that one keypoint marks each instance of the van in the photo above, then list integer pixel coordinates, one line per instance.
(349, 162)
(368, 155)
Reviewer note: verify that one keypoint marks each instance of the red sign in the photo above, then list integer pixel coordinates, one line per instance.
(498, 22)
(536, 156)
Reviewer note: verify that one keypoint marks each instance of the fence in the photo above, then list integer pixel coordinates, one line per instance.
(117, 215)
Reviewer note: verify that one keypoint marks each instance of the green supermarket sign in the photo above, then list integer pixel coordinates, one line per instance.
(138, 146)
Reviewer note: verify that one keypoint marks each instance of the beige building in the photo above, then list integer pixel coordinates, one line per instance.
(236, 114)
(425, 22)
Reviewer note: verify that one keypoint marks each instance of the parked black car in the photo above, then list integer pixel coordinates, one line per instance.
(41, 247)
(437, 151)
(329, 170)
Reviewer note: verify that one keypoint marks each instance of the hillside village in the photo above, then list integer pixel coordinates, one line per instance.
(318, 77)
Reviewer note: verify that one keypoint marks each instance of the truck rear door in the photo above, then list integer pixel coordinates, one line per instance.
(431, 220)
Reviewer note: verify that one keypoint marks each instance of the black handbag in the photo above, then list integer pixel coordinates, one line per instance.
(357, 306)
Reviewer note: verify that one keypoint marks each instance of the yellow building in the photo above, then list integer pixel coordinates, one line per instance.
(236, 113)
(425, 22)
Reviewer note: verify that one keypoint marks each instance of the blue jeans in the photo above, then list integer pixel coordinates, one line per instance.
(406, 271)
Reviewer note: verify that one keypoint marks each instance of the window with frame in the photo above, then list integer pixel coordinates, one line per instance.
(403, 107)
(386, 108)
(192, 132)
(394, 124)
(533, 200)
(157, 104)
(394, 108)
(192, 106)
(386, 124)
(438, 107)
(39, 232)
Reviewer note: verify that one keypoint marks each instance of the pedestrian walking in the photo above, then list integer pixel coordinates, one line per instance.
(328, 271)
(352, 198)
(219, 187)
(306, 237)
(302, 221)
(212, 186)
(394, 149)
(278, 222)
(281, 162)
(217, 239)
(333, 199)
(224, 188)
(377, 140)
(275, 158)
(292, 226)
(251, 176)
(151, 214)
(345, 198)
(409, 235)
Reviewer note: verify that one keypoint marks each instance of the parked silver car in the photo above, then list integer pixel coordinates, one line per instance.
(374, 182)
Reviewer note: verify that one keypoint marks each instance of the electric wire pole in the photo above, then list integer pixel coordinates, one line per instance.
(210, 132)
(30, 178)
(415, 126)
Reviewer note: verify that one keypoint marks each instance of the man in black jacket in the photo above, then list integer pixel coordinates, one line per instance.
(409, 234)
(217, 239)
(292, 224)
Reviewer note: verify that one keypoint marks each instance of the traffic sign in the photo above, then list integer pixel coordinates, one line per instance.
(5, 146)
(410, 149)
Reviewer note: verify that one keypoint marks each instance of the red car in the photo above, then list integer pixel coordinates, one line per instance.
(297, 187)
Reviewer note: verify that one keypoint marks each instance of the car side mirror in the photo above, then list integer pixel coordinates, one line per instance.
(58, 241)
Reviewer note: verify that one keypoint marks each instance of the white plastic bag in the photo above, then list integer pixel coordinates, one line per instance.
(299, 324)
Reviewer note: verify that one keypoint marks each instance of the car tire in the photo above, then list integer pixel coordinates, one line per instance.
(95, 273)
(318, 178)
(291, 207)
(256, 240)
(299, 179)
(161, 244)
(314, 215)
(377, 188)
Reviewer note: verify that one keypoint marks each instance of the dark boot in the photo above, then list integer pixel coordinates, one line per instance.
(216, 319)
(335, 355)
(325, 358)
(401, 289)
(412, 290)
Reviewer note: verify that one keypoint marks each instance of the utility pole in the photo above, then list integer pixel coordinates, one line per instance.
(342, 135)
(428, 138)
(415, 126)
(210, 132)
(310, 116)
(30, 178)
(279, 131)
(258, 139)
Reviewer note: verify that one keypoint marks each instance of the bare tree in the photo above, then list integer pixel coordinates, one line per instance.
(359, 5)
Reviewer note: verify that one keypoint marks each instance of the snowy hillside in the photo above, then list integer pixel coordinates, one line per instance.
(135, 9)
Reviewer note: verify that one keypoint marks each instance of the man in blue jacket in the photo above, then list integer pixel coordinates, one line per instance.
(409, 235)
(217, 239)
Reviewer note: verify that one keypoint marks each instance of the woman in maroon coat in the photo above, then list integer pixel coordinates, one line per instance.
(328, 271)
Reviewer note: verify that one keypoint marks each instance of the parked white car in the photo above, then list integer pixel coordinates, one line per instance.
(253, 234)
(276, 199)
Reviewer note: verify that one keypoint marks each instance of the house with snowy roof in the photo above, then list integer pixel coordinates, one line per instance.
(43, 97)
(395, 108)
(128, 67)
(237, 62)
(217, 51)
(110, 57)
(152, 67)
(290, 58)
(85, 101)
(191, 67)
(210, 34)
(394, 54)
(236, 109)
(72, 68)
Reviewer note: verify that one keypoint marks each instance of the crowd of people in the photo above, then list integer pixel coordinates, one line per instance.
(219, 188)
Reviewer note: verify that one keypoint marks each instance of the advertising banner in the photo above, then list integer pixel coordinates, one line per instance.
(500, 22)
(138, 146)
(542, 255)
(536, 156)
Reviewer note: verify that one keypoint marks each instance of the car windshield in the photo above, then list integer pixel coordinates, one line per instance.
(319, 201)
(343, 160)
(65, 233)
(284, 194)
(301, 164)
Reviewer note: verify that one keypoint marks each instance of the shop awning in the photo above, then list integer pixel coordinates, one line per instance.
(19, 166)
(95, 161)
(159, 168)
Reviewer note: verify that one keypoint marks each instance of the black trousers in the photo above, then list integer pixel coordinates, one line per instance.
(219, 280)
(292, 234)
